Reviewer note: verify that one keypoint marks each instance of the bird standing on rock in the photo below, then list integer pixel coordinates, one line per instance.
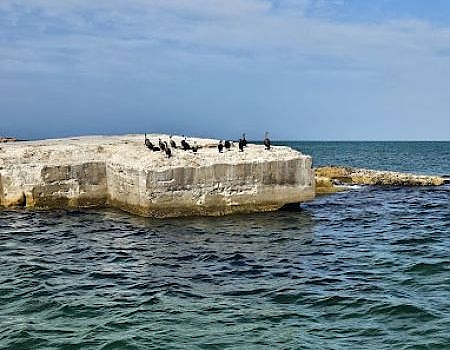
(241, 145)
(195, 147)
(244, 140)
(148, 143)
(267, 141)
(162, 146)
(185, 145)
(227, 145)
(167, 150)
(172, 142)
(220, 146)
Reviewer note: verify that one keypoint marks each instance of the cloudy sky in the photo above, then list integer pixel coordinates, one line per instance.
(301, 69)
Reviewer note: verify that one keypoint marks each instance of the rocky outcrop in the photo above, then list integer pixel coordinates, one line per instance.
(120, 171)
(328, 177)
(7, 139)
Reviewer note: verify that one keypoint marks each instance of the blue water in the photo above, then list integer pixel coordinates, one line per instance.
(364, 269)
(426, 157)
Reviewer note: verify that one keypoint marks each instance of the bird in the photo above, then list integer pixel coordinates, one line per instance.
(220, 146)
(156, 149)
(185, 145)
(267, 141)
(195, 147)
(168, 151)
(244, 140)
(172, 142)
(148, 143)
(162, 145)
(241, 145)
(227, 145)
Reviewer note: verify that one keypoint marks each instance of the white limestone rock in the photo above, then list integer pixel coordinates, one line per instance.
(120, 171)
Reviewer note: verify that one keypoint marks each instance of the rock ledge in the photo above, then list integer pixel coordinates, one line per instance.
(327, 177)
(119, 171)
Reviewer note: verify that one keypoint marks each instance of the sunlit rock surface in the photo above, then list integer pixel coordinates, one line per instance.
(328, 177)
(119, 171)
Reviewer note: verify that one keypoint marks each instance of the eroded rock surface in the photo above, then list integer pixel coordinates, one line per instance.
(327, 177)
(120, 171)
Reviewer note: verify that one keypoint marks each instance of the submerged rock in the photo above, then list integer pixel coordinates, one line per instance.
(120, 171)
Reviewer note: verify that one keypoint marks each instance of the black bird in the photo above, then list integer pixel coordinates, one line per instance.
(195, 147)
(148, 143)
(172, 142)
(267, 141)
(227, 145)
(220, 146)
(156, 149)
(185, 145)
(241, 145)
(162, 146)
(167, 150)
(244, 140)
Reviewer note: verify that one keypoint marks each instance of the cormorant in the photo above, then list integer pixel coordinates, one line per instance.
(172, 142)
(227, 145)
(168, 151)
(195, 147)
(244, 140)
(162, 146)
(185, 145)
(241, 145)
(220, 146)
(267, 141)
(148, 143)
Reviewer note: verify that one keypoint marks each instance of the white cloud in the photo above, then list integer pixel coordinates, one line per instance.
(248, 32)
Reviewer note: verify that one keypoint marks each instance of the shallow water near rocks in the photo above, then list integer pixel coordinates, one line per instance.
(367, 268)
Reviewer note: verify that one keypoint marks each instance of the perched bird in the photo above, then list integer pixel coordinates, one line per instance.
(172, 142)
(244, 140)
(148, 143)
(168, 151)
(195, 147)
(227, 145)
(241, 145)
(185, 145)
(220, 146)
(267, 141)
(162, 145)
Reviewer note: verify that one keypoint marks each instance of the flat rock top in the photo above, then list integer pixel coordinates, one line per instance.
(130, 150)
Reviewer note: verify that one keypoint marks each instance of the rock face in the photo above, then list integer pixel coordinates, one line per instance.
(326, 177)
(120, 171)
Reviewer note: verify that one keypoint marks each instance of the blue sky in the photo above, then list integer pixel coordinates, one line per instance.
(303, 70)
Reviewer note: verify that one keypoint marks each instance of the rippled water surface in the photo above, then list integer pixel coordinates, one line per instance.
(365, 269)
(426, 157)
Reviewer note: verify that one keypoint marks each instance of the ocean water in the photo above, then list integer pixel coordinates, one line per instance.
(425, 157)
(363, 269)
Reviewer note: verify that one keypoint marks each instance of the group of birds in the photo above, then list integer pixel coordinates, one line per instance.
(163, 146)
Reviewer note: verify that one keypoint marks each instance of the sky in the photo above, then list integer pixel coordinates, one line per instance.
(300, 69)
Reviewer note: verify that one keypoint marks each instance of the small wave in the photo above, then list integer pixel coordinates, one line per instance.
(403, 310)
(429, 268)
(246, 292)
(350, 187)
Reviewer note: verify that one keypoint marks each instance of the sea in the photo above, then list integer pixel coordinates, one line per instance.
(366, 268)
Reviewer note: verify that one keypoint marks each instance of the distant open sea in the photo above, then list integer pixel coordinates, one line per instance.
(362, 269)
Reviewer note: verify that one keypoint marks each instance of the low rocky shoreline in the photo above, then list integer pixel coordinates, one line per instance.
(330, 179)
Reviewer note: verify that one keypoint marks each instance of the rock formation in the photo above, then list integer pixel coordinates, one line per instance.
(119, 171)
(327, 177)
